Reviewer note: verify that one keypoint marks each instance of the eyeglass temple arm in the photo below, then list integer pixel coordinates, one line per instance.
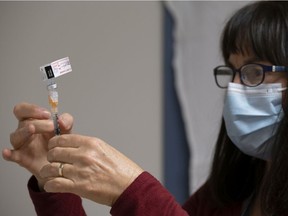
(279, 68)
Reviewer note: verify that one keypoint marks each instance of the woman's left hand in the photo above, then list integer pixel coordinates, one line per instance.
(91, 168)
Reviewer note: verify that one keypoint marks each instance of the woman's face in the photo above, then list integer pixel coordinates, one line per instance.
(238, 60)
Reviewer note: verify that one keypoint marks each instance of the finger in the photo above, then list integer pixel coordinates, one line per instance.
(11, 155)
(6, 154)
(22, 134)
(67, 140)
(24, 111)
(52, 170)
(66, 123)
(66, 155)
(42, 126)
(60, 185)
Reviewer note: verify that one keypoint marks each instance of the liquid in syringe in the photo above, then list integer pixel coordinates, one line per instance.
(53, 101)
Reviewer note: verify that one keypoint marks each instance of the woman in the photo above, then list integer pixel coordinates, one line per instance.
(255, 34)
(249, 171)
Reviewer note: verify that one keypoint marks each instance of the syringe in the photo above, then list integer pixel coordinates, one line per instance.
(49, 73)
(53, 101)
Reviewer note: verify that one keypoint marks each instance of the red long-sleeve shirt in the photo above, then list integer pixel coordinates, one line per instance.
(144, 197)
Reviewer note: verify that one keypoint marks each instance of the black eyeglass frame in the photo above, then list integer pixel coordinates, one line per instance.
(265, 68)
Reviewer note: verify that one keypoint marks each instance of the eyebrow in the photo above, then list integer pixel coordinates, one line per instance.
(250, 60)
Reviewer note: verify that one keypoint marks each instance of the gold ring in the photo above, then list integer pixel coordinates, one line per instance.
(60, 169)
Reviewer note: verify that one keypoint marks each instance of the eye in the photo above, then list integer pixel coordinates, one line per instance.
(252, 74)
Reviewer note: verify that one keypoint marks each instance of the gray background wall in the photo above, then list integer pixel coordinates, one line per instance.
(114, 91)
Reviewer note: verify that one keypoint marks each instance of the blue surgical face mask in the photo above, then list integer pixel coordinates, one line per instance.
(252, 116)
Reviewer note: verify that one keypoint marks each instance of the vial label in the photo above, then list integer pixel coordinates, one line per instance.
(56, 68)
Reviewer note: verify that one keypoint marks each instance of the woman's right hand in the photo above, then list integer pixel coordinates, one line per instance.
(30, 139)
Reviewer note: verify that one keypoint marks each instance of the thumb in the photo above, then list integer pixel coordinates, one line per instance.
(10, 155)
(66, 123)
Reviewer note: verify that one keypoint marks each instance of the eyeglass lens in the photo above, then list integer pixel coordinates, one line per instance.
(224, 75)
(251, 75)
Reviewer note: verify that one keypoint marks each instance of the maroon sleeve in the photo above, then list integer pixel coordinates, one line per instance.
(146, 196)
(201, 203)
(56, 204)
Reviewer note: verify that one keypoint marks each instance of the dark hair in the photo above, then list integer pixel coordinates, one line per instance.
(261, 28)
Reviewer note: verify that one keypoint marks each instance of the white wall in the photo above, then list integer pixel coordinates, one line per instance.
(114, 91)
(197, 51)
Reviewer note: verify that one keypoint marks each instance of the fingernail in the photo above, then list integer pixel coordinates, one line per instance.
(46, 114)
(62, 121)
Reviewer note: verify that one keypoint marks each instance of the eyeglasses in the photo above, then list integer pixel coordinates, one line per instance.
(250, 74)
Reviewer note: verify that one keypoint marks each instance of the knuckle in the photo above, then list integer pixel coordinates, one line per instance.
(94, 142)
(12, 138)
(24, 123)
(87, 159)
(63, 140)
(16, 158)
(53, 153)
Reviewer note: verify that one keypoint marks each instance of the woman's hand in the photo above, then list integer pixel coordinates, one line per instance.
(30, 139)
(91, 168)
